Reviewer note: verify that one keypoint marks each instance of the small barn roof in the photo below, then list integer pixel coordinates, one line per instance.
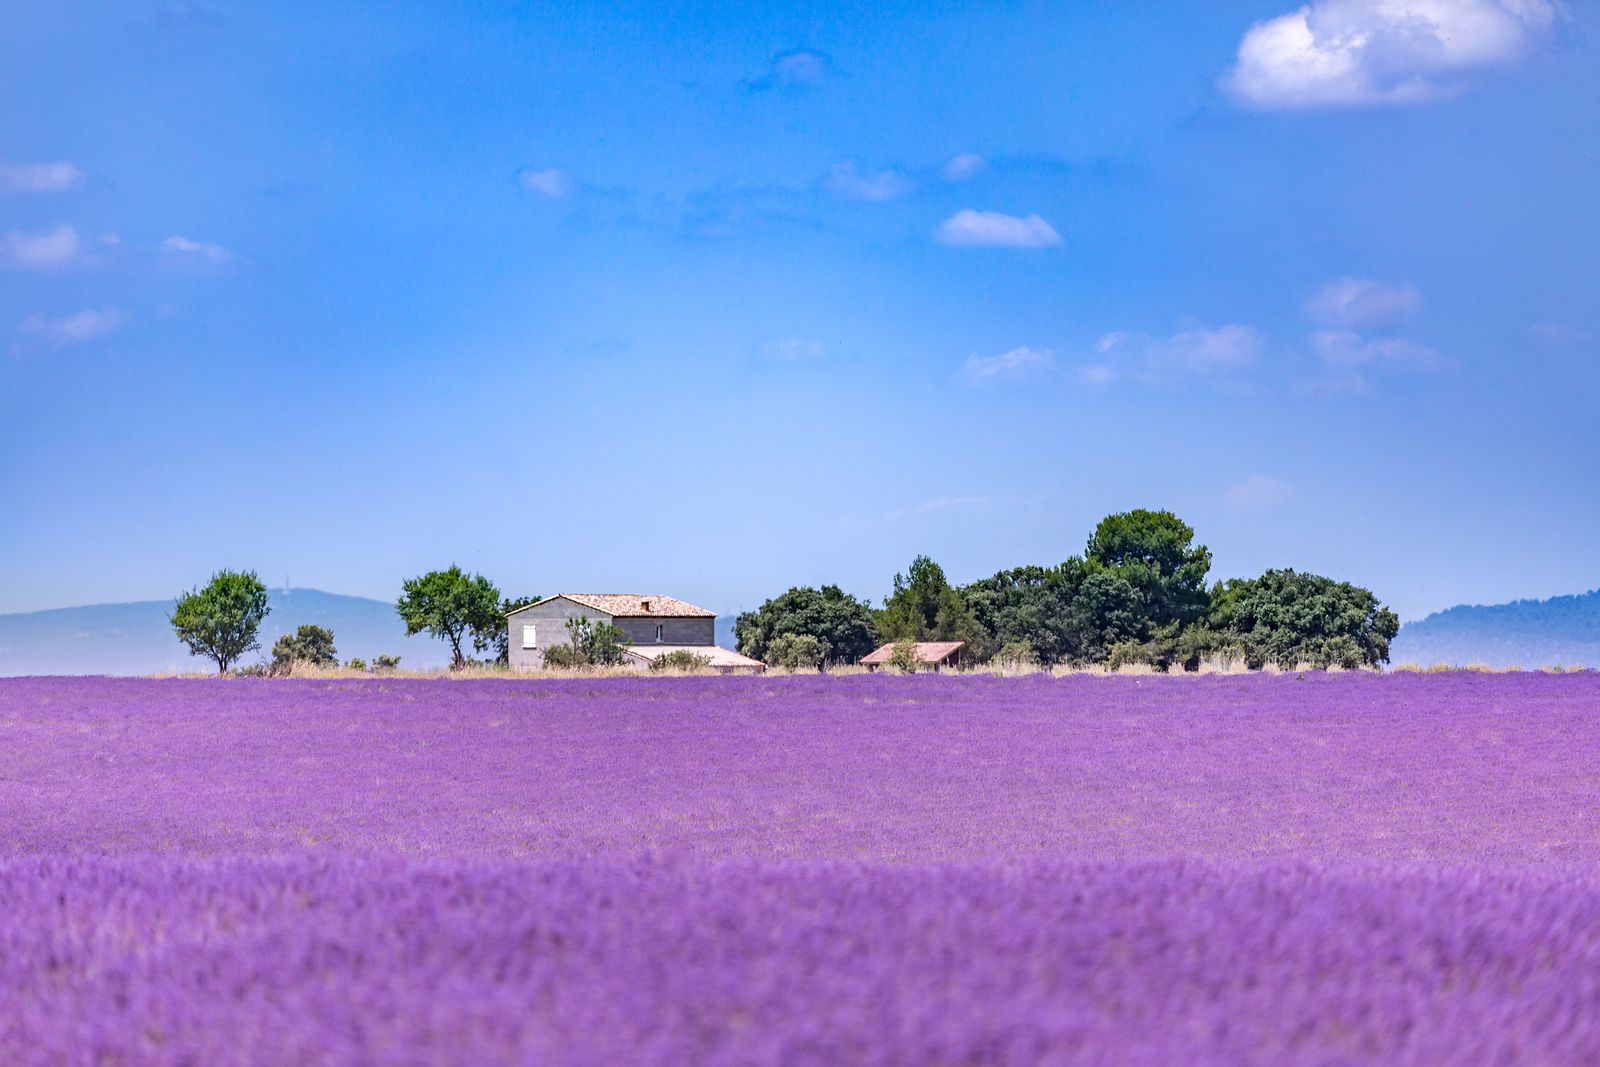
(719, 656)
(930, 652)
(632, 605)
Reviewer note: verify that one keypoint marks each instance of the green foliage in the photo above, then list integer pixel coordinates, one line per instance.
(1286, 617)
(453, 605)
(1072, 613)
(502, 636)
(385, 664)
(1016, 656)
(926, 607)
(841, 624)
(589, 644)
(311, 645)
(681, 659)
(220, 621)
(1154, 552)
(356, 664)
(903, 657)
(797, 652)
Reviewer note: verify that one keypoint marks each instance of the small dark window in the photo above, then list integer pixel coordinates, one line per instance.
(661, 633)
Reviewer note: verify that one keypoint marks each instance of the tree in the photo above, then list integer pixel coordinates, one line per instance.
(220, 621)
(1287, 617)
(796, 652)
(903, 657)
(1154, 552)
(841, 624)
(589, 644)
(311, 645)
(502, 635)
(1070, 613)
(926, 607)
(453, 605)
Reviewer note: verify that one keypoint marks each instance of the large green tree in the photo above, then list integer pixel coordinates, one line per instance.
(1070, 613)
(843, 626)
(220, 620)
(453, 605)
(1154, 552)
(1287, 617)
(924, 606)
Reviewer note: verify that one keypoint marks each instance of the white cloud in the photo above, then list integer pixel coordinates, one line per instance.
(1096, 374)
(182, 246)
(991, 229)
(847, 183)
(1199, 350)
(40, 250)
(552, 182)
(1361, 303)
(1352, 52)
(76, 329)
(792, 350)
(1255, 493)
(1017, 363)
(964, 166)
(1347, 350)
(794, 69)
(1555, 334)
(38, 177)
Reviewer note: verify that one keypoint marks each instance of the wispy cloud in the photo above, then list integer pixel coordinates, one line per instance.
(792, 70)
(1348, 350)
(552, 182)
(991, 229)
(38, 177)
(1361, 303)
(963, 166)
(75, 329)
(792, 350)
(849, 183)
(198, 251)
(1197, 350)
(1556, 334)
(1256, 493)
(1331, 53)
(1008, 366)
(51, 249)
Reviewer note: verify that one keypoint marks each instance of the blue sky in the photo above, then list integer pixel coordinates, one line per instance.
(715, 300)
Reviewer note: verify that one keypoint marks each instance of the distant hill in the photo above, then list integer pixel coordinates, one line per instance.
(1529, 633)
(137, 639)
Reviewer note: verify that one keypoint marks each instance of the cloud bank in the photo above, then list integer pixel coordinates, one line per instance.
(39, 177)
(76, 329)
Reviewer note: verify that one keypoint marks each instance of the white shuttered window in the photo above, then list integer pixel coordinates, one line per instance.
(530, 636)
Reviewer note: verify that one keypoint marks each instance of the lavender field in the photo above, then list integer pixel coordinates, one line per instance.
(1330, 869)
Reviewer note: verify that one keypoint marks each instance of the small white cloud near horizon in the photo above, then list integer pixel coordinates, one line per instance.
(89, 324)
(992, 229)
(552, 182)
(1332, 53)
(1017, 363)
(847, 183)
(39, 177)
(1198, 350)
(50, 249)
(792, 350)
(964, 165)
(178, 245)
(1362, 303)
(1346, 350)
(1256, 493)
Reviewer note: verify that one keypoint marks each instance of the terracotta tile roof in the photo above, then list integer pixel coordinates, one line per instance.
(719, 656)
(927, 652)
(633, 605)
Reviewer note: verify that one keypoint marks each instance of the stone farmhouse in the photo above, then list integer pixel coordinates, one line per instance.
(652, 626)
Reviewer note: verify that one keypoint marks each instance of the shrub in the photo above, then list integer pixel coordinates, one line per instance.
(903, 657)
(384, 664)
(797, 652)
(311, 645)
(356, 664)
(1016, 657)
(681, 659)
(563, 658)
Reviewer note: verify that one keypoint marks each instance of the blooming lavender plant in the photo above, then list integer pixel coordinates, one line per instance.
(1341, 869)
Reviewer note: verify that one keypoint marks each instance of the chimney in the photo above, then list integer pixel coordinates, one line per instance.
(646, 604)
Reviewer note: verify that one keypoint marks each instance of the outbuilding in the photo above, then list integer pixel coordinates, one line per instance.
(652, 626)
(933, 655)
